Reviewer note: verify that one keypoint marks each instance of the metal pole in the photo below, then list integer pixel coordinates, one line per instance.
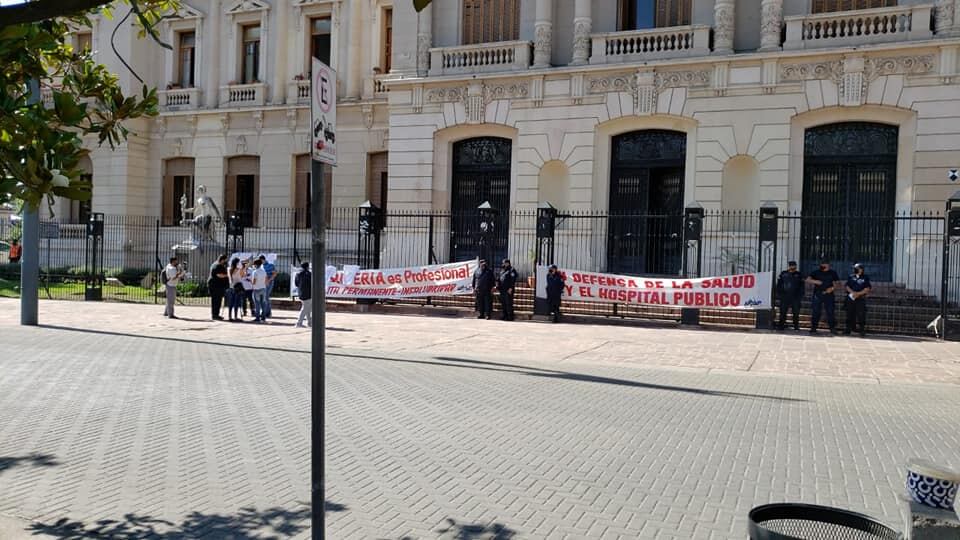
(30, 243)
(156, 254)
(945, 272)
(318, 257)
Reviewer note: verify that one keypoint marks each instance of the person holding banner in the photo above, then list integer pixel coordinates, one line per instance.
(555, 286)
(483, 285)
(506, 282)
(824, 281)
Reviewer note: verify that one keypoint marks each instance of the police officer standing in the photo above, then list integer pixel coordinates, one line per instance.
(483, 283)
(823, 280)
(858, 287)
(506, 284)
(790, 293)
(555, 286)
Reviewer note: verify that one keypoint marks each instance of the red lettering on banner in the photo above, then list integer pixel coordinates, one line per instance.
(585, 292)
(569, 289)
(746, 281)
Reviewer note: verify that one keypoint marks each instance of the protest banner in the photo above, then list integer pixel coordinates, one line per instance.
(295, 270)
(413, 282)
(742, 291)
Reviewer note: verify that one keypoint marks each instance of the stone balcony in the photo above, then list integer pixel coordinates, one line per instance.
(298, 91)
(650, 44)
(480, 58)
(179, 99)
(243, 95)
(860, 27)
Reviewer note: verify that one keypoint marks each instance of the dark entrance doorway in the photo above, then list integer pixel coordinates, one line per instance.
(849, 197)
(481, 172)
(644, 235)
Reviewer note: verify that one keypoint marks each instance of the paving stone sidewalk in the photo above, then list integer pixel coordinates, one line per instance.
(122, 424)
(883, 359)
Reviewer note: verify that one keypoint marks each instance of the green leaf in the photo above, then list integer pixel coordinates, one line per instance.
(420, 4)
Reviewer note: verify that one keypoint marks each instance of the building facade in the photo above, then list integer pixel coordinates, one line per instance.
(821, 107)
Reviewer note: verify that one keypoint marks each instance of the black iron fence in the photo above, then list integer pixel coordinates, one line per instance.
(904, 253)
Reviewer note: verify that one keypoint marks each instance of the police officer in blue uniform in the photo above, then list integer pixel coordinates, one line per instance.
(483, 282)
(824, 281)
(858, 287)
(790, 293)
(506, 284)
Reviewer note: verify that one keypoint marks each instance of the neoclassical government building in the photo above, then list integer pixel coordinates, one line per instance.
(833, 106)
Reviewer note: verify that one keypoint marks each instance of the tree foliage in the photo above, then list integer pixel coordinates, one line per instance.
(42, 141)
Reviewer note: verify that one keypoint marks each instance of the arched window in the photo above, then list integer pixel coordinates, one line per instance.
(177, 183)
(646, 202)
(488, 21)
(481, 173)
(849, 196)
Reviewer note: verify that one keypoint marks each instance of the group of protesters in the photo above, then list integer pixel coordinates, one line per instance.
(244, 286)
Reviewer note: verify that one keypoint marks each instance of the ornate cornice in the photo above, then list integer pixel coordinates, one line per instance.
(905, 65)
(680, 79)
(829, 70)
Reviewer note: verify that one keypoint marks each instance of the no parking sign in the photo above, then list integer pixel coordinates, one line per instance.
(323, 112)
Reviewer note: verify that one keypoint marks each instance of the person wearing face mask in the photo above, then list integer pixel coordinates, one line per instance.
(858, 287)
(824, 282)
(506, 283)
(483, 284)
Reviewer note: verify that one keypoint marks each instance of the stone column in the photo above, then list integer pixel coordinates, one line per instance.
(210, 62)
(424, 40)
(354, 58)
(723, 17)
(543, 34)
(771, 23)
(582, 26)
(280, 75)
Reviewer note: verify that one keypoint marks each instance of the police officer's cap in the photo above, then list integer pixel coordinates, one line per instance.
(506, 261)
(791, 263)
(553, 267)
(857, 265)
(824, 261)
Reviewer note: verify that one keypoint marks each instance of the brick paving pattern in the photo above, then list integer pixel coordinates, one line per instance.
(197, 430)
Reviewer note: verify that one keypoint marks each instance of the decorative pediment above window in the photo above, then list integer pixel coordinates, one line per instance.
(186, 12)
(247, 6)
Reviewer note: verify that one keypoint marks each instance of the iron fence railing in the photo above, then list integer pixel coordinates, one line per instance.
(903, 253)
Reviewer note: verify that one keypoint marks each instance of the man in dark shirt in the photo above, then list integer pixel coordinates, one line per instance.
(483, 283)
(790, 293)
(217, 284)
(506, 284)
(824, 281)
(555, 286)
(858, 287)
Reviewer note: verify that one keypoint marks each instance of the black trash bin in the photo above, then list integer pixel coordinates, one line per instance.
(793, 521)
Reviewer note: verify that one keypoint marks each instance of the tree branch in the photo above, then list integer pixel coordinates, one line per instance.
(40, 10)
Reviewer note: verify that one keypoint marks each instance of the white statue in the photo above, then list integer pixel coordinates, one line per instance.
(204, 214)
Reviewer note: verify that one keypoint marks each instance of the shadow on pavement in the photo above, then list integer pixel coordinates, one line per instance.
(446, 361)
(178, 340)
(246, 524)
(33, 460)
(464, 531)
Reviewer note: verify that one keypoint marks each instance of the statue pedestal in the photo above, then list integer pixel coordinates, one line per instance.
(926, 523)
